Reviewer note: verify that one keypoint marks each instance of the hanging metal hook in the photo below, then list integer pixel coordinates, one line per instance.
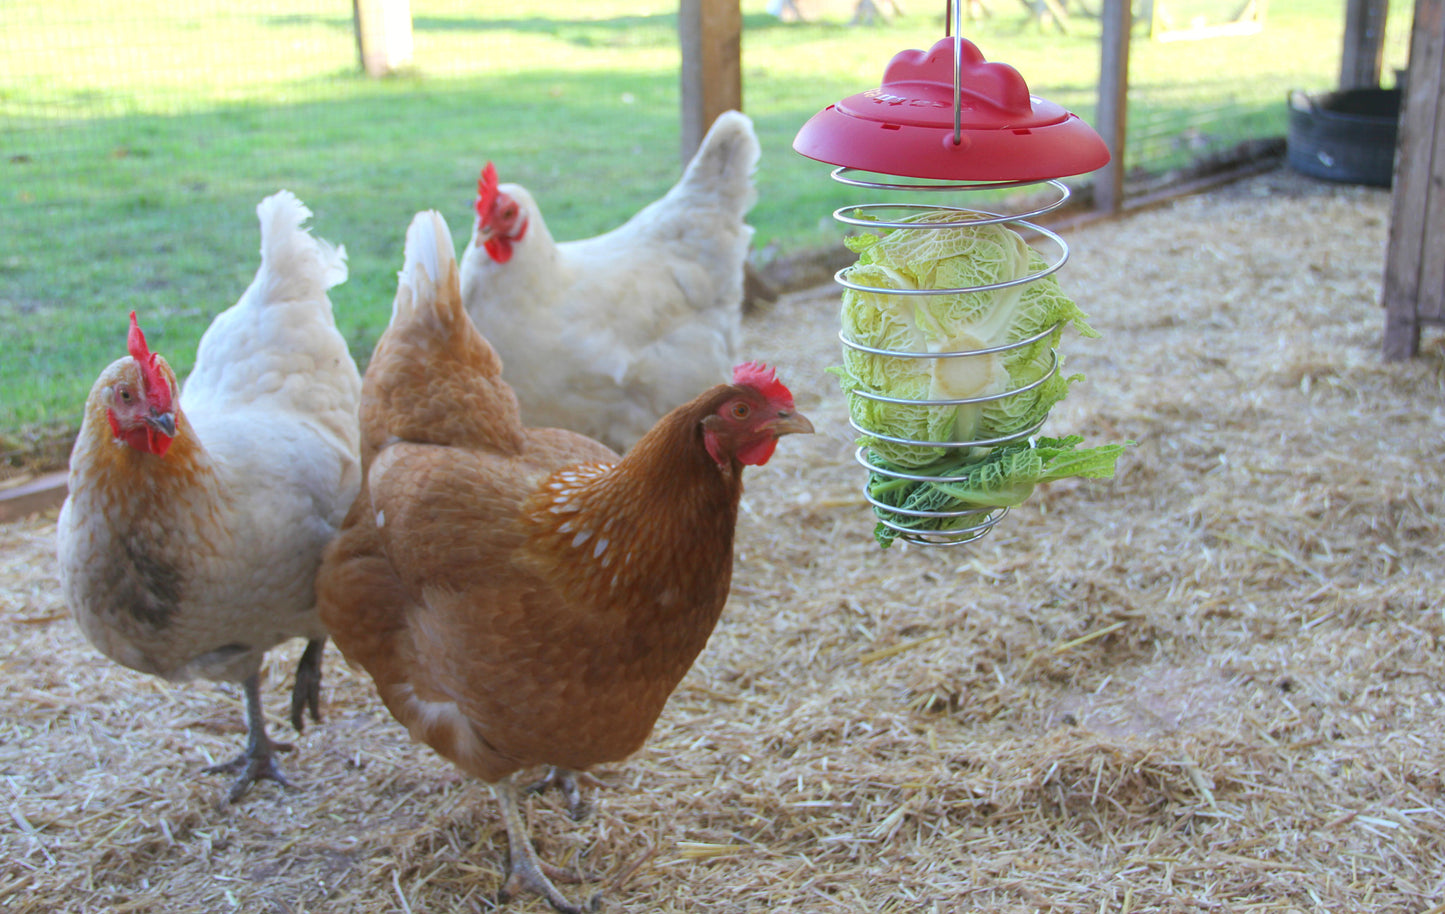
(957, 69)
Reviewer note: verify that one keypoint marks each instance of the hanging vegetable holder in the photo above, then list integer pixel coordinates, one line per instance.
(951, 318)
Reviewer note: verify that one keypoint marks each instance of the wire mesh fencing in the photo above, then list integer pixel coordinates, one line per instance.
(136, 139)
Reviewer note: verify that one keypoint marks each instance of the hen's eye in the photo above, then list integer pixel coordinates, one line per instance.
(740, 410)
(124, 395)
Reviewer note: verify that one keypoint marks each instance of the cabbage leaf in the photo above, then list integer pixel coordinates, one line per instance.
(1003, 478)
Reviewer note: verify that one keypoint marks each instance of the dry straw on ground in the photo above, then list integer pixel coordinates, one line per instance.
(1212, 684)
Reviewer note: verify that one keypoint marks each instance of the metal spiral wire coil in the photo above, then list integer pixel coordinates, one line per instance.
(865, 215)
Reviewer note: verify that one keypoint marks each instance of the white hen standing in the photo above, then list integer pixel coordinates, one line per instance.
(606, 335)
(192, 532)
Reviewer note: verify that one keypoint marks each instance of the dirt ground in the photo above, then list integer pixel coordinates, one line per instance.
(1213, 683)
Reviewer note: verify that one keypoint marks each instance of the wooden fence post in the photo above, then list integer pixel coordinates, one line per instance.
(383, 34)
(1364, 43)
(1111, 115)
(711, 35)
(1414, 287)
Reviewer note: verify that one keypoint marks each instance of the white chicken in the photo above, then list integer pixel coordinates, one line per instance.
(191, 536)
(606, 335)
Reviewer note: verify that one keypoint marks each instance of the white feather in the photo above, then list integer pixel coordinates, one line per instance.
(428, 257)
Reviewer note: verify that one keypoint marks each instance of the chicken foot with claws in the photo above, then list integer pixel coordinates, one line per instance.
(525, 871)
(569, 783)
(306, 694)
(258, 761)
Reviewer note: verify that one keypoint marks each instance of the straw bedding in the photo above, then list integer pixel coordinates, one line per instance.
(1211, 684)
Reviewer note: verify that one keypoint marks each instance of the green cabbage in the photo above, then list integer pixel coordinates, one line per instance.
(943, 258)
(963, 256)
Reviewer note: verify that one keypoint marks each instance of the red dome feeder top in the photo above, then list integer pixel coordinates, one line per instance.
(906, 126)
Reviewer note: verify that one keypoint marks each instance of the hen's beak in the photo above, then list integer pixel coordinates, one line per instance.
(790, 423)
(165, 423)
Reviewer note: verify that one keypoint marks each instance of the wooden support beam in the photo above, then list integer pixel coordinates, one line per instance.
(711, 35)
(383, 35)
(1414, 286)
(1364, 46)
(1112, 111)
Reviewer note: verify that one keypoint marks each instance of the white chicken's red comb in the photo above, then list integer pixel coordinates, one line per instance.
(764, 380)
(486, 190)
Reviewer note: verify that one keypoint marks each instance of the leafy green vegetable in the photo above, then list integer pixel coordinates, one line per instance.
(950, 258)
(1010, 376)
(1005, 477)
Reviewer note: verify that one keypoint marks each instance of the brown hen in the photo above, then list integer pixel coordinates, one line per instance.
(524, 597)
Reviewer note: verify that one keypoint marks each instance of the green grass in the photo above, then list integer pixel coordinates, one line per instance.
(135, 141)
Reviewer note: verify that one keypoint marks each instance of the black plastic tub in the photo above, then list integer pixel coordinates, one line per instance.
(1346, 136)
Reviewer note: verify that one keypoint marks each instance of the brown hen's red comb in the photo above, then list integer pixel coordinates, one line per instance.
(156, 388)
(486, 190)
(136, 342)
(764, 380)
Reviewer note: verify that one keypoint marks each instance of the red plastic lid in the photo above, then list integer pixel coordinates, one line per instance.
(906, 127)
